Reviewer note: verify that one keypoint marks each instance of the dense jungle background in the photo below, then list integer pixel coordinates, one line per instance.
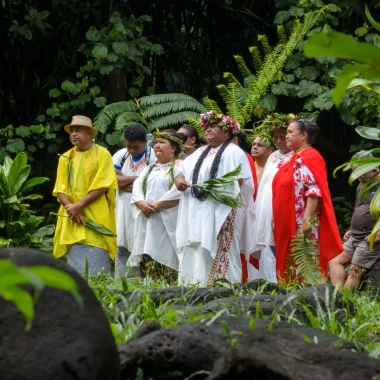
(67, 57)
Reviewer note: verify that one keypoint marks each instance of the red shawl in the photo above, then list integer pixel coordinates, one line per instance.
(254, 175)
(284, 217)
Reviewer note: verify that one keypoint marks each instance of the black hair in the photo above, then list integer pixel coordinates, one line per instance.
(310, 127)
(242, 141)
(135, 132)
(183, 138)
(197, 193)
(192, 133)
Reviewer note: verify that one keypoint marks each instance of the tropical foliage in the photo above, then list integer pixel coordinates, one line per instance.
(366, 63)
(12, 278)
(19, 226)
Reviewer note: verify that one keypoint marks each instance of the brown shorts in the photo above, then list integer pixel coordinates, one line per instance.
(362, 256)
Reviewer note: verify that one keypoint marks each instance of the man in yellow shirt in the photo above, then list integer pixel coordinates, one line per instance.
(85, 187)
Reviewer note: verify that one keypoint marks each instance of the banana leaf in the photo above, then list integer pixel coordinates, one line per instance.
(97, 227)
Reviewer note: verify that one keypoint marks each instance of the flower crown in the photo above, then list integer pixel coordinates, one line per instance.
(166, 136)
(219, 120)
(274, 121)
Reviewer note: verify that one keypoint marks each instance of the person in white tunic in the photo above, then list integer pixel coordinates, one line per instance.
(262, 232)
(155, 204)
(129, 163)
(210, 234)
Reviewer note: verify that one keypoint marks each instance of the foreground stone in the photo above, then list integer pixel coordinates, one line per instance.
(64, 342)
(269, 355)
(179, 352)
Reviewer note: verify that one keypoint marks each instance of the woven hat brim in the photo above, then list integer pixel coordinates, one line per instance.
(94, 131)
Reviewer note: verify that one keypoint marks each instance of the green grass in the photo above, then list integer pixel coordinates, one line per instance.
(362, 327)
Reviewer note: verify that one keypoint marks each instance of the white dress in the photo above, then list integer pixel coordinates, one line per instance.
(123, 210)
(262, 232)
(156, 235)
(206, 251)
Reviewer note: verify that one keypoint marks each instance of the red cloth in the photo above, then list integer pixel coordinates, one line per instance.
(284, 217)
(244, 267)
(254, 175)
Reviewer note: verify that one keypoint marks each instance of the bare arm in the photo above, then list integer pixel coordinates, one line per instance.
(75, 209)
(165, 204)
(123, 181)
(312, 203)
(63, 199)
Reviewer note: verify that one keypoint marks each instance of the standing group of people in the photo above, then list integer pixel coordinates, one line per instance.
(147, 195)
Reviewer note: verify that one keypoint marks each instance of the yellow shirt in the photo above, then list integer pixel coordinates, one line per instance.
(79, 173)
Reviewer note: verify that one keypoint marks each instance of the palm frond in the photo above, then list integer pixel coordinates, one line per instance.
(161, 109)
(128, 118)
(171, 120)
(147, 101)
(211, 105)
(106, 117)
(245, 71)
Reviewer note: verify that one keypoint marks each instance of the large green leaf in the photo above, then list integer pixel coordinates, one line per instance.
(4, 187)
(4, 242)
(18, 172)
(7, 165)
(375, 230)
(368, 133)
(30, 183)
(44, 231)
(174, 119)
(129, 117)
(372, 164)
(334, 44)
(372, 21)
(173, 107)
(375, 205)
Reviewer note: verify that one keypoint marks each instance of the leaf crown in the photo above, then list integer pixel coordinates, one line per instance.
(166, 136)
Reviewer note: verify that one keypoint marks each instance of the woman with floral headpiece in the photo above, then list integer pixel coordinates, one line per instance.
(302, 201)
(210, 234)
(155, 200)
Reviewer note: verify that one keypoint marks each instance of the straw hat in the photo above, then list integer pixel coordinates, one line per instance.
(81, 121)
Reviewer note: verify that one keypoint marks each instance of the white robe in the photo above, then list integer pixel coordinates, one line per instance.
(156, 235)
(199, 222)
(123, 210)
(262, 232)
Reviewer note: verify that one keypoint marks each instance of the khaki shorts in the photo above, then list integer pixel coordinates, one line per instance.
(362, 256)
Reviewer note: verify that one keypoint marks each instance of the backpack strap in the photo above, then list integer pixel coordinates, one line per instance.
(124, 159)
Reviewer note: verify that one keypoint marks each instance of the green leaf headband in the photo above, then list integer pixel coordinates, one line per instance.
(164, 135)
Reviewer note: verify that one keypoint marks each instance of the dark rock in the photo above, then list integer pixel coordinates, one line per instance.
(181, 295)
(177, 351)
(371, 281)
(262, 286)
(268, 355)
(318, 298)
(65, 342)
(146, 328)
(181, 351)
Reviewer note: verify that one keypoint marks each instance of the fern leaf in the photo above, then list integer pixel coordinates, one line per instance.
(158, 110)
(172, 120)
(108, 114)
(128, 118)
(305, 258)
(194, 122)
(146, 101)
(257, 61)
(235, 110)
(245, 72)
(263, 39)
(211, 105)
(281, 32)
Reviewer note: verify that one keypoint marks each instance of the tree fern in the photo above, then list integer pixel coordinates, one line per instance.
(256, 56)
(211, 105)
(128, 118)
(107, 116)
(245, 71)
(265, 44)
(304, 258)
(174, 119)
(194, 122)
(161, 109)
(281, 33)
(147, 101)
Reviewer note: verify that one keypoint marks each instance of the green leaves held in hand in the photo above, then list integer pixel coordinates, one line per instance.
(212, 188)
(97, 227)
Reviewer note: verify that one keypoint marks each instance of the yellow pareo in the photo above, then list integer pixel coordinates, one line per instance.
(78, 174)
